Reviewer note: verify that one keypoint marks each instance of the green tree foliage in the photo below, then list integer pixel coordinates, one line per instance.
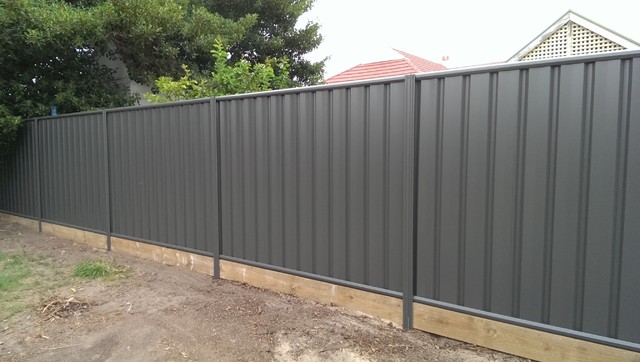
(53, 50)
(228, 78)
(155, 37)
(9, 126)
(50, 56)
(275, 35)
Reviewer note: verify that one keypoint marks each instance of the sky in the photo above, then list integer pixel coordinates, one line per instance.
(468, 32)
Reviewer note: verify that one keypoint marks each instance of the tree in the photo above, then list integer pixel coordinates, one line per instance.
(274, 35)
(50, 58)
(52, 51)
(9, 126)
(155, 37)
(228, 78)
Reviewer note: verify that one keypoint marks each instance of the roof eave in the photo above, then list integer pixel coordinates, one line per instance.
(628, 43)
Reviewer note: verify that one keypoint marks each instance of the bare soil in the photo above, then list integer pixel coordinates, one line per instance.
(163, 313)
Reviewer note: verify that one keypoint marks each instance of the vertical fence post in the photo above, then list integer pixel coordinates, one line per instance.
(410, 173)
(215, 137)
(107, 175)
(38, 175)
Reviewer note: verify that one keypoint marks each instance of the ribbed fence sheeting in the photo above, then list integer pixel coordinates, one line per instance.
(529, 194)
(313, 181)
(19, 175)
(72, 170)
(524, 182)
(163, 176)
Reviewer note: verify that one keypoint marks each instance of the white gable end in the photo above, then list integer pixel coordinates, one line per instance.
(571, 35)
(572, 39)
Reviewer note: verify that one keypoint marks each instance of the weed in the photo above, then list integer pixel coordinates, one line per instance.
(98, 269)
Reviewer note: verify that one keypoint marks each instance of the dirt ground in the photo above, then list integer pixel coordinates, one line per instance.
(163, 313)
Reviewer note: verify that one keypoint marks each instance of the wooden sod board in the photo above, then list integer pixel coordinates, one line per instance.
(500, 336)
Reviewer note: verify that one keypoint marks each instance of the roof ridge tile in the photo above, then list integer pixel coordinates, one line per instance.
(409, 64)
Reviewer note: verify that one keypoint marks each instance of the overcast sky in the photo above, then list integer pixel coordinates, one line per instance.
(469, 32)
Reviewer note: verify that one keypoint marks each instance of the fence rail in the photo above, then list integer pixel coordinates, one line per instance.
(512, 191)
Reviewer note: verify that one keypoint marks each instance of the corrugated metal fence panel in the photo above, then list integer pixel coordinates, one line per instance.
(528, 194)
(528, 184)
(18, 175)
(313, 181)
(73, 175)
(162, 174)
(628, 316)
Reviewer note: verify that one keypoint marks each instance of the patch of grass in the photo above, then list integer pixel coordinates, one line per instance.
(11, 308)
(14, 269)
(15, 272)
(98, 269)
(26, 278)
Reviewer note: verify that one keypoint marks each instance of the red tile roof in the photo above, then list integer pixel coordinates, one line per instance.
(409, 64)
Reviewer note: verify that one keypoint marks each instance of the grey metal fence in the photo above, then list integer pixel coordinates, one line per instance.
(72, 171)
(525, 185)
(163, 175)
(19, 192)
(510, 191)
(310, 181)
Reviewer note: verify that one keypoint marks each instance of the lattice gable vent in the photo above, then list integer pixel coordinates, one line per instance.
(572, 39)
